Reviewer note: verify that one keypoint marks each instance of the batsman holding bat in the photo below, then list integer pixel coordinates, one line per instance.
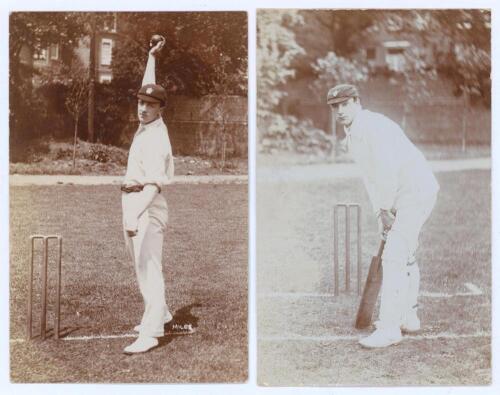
(403, 191)
(150, 166)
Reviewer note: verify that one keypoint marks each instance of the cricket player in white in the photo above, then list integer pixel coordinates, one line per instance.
(403, 191)
(150, 166)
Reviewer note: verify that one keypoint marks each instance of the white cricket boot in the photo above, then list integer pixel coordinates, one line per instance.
(382, 338)
(391, 295)
(142, 344)
(408, 325)
(411, 323)
(168, 317)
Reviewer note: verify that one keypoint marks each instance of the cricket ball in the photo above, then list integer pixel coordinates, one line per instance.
(155, 39)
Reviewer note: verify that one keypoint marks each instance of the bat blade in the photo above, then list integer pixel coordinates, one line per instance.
(370, 291)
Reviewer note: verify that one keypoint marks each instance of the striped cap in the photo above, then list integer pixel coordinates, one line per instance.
(341, 93)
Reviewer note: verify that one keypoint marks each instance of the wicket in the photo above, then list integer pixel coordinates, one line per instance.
(348, 210)
(45, 264)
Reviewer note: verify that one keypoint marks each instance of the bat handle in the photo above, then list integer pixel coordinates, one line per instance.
(381, 249)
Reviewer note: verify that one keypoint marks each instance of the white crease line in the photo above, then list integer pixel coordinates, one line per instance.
(103, 337)
(441, 335)
(295, 295)
(99, 337)
(473, 291)
(312, 295)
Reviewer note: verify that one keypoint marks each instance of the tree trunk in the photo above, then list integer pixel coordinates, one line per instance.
(74, 141)
(91, 102)
(464, 124)
(223, 164)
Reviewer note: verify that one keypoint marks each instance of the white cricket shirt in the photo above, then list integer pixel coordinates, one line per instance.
(394, 171)
(150, 159)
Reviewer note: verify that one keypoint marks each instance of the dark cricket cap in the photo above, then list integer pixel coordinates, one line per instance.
(341, 93)
(152, 93)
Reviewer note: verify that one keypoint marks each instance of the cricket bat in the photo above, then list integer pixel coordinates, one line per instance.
(371, 290)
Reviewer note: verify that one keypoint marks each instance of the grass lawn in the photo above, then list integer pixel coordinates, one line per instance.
(306, 335)
(205, 268)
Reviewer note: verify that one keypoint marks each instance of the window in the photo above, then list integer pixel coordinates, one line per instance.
(395, 51)
(110, 23)
(395, 54)
(370, 53)
(40, 54)
(54, 51)
(397, 44)
(46, 54)
(395, 60)
(104, 78)
(106, 50)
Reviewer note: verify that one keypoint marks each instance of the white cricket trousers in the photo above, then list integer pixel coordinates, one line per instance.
(145, 250)
(401, 276)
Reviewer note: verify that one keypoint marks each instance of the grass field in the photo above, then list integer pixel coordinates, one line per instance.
(306, 335)
(205, 267)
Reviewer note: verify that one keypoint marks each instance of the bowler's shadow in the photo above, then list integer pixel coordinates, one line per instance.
(182, 318)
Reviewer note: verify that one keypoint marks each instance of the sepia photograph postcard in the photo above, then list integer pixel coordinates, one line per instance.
(128, 197)
(373, 197)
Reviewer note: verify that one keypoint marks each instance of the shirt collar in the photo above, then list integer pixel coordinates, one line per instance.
(150, 125)
(355, 129)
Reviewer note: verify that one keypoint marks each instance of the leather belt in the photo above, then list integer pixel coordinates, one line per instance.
(132, 188)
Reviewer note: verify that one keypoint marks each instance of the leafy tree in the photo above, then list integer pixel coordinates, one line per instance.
(460, 41)
(276, 49)
(334, 69)
(30, 31)
(222, 88)
(197, 43)
(445, 44)
(37, 29)
(205, 54)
